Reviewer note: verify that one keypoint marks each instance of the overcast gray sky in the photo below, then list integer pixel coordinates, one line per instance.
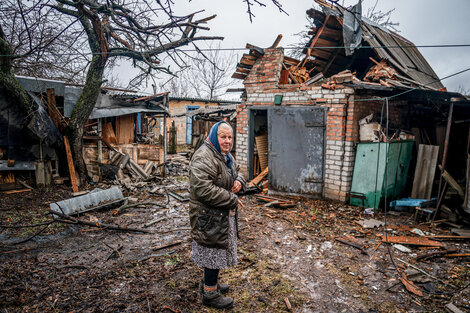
(424, 22)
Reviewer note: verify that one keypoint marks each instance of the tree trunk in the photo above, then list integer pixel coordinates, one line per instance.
(82, 111)
(9, 85)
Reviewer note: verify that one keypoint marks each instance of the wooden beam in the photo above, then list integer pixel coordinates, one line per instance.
(249, 57)
(243, 70)
(238, 75)
(247, 61)
(314, 41)
(330, 61)
(54, 113)
(276, 42)
(73, 177)
(291, 61)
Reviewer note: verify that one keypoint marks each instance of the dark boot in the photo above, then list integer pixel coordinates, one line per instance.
(223, 288)
(216, 300)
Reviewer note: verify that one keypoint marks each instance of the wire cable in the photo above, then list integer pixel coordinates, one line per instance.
(285, 48)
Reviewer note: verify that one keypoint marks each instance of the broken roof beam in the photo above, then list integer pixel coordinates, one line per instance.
(239, 76)
(276, 42)
(314, 41)
(291, 61)
(151, 97)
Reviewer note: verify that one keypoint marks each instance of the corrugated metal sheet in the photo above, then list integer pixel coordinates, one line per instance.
(402, 54)
(405, 57)
(211, 109)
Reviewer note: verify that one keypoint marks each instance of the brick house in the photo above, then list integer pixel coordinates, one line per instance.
(312, 122)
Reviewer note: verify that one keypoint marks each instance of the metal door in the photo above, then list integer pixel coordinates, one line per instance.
(296, 150)
(189, 124)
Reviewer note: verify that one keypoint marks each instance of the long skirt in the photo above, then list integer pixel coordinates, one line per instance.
(215, 258)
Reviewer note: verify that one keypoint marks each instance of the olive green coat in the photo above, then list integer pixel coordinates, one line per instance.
(211, 197)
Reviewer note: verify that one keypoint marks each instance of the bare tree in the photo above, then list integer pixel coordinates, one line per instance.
(204, 78)
(139, 30)
(177, 87)
(43, 42)
(250, 3)
(463, 90)
(49, 34)
(383, 18)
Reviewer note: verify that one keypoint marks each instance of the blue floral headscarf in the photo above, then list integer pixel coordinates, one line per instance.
(215, 142)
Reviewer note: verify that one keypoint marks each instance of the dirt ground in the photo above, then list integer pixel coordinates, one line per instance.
(287, 257)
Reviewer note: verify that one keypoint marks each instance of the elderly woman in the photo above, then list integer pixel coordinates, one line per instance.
(214, 183)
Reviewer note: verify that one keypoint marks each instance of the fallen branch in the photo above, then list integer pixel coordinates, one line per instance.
(127, 206)
(155, 221)
(352, 244)
(458, 255)
(71, 220)
(166, 246)
(30, 237)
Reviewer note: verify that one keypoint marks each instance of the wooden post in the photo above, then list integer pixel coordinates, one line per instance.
(73, 178)
(172, 148)
(164, 144)
(100, 144)
(444, 156)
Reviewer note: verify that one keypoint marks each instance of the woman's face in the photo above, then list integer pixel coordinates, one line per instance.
(225, 137)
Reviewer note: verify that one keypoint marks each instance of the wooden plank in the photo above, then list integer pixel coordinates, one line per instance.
(260, 177)
(9, 192)
(276, 42)
(246, 61)
(425, 171)
(414, 241)
(150, 97)
(249, 57)
(284, 77)
(452, 182)
(314, 41)
(54, 113)
(457, 255)
(291, 61)
(125, 129)
(73, 177)
(243, 70)
(239, 76)
(108, 133)
(448, 237)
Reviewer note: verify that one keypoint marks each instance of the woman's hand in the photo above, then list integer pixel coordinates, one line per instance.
(236, 186)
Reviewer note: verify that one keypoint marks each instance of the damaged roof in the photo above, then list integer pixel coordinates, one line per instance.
(399, 52)
(371, 49)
